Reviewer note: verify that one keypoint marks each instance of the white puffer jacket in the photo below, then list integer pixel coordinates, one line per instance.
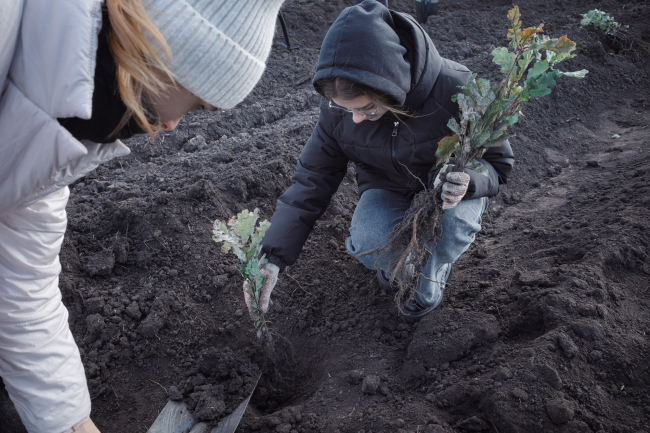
(47, 67)
(48, 48)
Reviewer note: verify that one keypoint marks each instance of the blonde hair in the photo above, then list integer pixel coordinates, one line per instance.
(132, 38)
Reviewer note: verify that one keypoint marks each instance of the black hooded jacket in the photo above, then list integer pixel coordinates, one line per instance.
(390, 52)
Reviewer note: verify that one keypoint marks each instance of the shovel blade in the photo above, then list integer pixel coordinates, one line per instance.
(229, 424)
(176, 418)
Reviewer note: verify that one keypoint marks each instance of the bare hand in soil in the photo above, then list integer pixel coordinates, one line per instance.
(270, 271)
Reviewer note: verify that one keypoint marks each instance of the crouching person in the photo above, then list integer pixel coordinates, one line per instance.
(386, 104)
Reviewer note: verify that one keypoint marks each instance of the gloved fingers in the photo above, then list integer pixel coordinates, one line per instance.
(271, 272)
(458, 177)
(248, 299)
(454, 189)
(450, 201)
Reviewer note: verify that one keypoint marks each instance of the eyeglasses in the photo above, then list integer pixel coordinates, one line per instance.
(347, 110)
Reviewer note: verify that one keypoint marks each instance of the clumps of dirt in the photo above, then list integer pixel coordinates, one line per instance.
(217, 382)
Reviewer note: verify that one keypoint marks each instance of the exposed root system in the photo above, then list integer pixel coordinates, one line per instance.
(407, 244)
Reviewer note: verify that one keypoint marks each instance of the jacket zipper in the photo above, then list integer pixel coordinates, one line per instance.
(393, 147)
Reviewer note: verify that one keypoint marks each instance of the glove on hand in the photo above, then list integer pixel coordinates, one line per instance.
(271, 272)
(454, 188)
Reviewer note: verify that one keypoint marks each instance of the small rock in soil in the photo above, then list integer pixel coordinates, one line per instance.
(95, 324)
(550, 375)
(273, 421)
(502, 374)
(370, 384)
(435, 428)
(412, 370)
(581, 427)
(223, 157)
(194, 144)
(156, 318)
(283, 428)
(219, 281)
(436, 343)
(354, 377)
(473, 424)
(595, 355)
(209, 407)
(568, 346)
(481, 253)
(174, 394)
(559, 410)
(581, 284)
(94, 305)
(589, 331)
(599, 295)
(101, 263)
(592, 163)
(292, 415)
(133, 310)
(121, 249)
(519, 394)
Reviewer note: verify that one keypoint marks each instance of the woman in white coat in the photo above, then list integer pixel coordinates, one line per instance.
(75, 77)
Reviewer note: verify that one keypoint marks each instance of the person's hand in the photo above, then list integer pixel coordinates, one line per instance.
(86, 426)
(454, 188)
(271, 272)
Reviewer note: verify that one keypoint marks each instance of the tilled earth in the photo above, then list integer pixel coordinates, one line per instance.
(543, 328)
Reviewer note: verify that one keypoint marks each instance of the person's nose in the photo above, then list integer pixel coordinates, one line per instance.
(358, 117)
(170, 125)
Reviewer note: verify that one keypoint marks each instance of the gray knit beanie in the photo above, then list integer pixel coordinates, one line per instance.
(219, 47)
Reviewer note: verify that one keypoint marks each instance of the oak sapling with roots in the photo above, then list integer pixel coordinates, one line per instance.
(617, 34)
(241, 237)
(485, 114)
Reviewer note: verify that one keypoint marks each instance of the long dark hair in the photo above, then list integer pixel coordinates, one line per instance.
(342, 88)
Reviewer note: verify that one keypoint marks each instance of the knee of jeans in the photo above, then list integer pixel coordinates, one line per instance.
(363, 241)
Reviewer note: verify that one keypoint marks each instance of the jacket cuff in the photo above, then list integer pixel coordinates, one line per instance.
(277, 261)
(481, 185)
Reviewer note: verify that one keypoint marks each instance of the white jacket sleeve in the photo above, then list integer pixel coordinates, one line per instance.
(10, 15)
(39, 359)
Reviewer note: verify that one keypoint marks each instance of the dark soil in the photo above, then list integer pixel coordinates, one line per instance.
(543, 328)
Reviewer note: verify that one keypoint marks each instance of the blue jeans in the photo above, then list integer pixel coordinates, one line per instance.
(377, 213)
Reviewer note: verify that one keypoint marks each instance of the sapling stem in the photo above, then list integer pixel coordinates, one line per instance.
(242, 237)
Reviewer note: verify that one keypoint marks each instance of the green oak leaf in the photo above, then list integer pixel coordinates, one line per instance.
(504, 58)
(446, 147)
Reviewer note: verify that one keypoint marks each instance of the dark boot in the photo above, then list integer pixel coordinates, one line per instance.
(424, 9)
(382, 279)
(412, 311)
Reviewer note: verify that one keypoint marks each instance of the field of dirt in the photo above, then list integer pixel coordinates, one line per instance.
(543, 327)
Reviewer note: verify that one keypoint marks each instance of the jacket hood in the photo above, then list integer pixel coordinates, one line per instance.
(382, 49)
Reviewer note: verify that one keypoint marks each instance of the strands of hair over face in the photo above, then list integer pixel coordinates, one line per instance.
(140, 70)
(345, 89)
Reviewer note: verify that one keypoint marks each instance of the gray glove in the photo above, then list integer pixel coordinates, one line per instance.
(271, 272)
(454, 187)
